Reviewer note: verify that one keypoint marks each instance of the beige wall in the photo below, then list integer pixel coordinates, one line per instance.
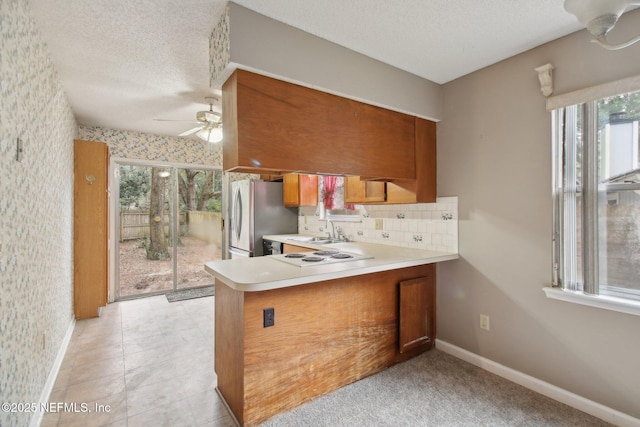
(494, 153)
(267, 46)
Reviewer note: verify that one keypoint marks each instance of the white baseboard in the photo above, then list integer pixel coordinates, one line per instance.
(36, 419)
(556, 393)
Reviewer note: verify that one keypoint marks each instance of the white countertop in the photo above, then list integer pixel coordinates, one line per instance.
(264, 273)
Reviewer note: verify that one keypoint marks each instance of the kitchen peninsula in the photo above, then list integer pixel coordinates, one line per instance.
(285, 334)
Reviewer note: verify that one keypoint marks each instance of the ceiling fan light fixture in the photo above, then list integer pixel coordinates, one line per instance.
(212, 134)
(599, 17)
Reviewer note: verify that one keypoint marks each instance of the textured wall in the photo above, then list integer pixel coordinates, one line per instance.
(36, 211)
(136, 145)
(219, 51)
(494, 153)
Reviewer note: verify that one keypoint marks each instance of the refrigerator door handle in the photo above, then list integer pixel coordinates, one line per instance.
(237, 214)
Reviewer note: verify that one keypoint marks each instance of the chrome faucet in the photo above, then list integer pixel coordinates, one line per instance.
(332, 235)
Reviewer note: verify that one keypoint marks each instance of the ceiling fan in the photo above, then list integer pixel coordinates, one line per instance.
(209, 126)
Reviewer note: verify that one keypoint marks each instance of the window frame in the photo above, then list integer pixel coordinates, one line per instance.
(588, 292)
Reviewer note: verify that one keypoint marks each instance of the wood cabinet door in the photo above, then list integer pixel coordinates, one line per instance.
(90, 255)
(300, 190)
(308, 188)
(358, 191)
(292, 249)
(290, 185)
(417, 314)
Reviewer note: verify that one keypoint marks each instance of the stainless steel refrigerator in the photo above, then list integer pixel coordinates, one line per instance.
(256, 209)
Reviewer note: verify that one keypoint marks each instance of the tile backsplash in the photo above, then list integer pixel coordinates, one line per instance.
(430, 226)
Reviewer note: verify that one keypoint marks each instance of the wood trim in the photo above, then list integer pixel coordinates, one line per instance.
(230, 122)
(426, 161)
(90, 228)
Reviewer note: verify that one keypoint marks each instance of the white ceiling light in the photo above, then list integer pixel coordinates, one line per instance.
(210, 133)
(599, 17)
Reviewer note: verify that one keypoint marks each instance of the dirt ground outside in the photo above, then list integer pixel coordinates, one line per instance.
(138, 275)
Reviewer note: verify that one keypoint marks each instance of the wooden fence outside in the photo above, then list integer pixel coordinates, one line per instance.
(135, 225)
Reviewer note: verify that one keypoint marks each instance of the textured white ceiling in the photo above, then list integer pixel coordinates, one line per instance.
(439, 40)
(125, 63)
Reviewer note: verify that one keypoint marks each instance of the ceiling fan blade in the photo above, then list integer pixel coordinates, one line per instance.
(191, 131)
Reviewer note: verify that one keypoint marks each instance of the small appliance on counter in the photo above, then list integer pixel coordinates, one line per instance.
(255, 209)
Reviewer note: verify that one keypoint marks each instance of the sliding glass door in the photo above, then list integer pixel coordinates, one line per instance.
(168, 226)
(200, 234)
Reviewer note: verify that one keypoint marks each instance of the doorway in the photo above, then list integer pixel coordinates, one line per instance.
(167, 225)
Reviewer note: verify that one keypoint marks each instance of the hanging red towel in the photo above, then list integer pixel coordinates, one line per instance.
(330, 183)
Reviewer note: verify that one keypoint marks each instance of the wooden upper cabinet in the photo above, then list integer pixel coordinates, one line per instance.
(274, 125)
(417, 313)
(358, 191)
(300, 189)
(90, 228)
(423, 189)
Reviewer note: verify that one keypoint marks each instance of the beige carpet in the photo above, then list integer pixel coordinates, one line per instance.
(434, 389)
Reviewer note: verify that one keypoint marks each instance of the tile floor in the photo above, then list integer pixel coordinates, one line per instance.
(150, 360)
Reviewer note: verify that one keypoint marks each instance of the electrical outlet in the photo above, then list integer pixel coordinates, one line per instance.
(268, 317)
(484, 322)
(379, 223)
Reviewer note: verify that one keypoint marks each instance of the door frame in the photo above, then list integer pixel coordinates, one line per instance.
(114, 217)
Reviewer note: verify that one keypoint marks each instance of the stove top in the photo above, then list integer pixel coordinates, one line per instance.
(308, 259)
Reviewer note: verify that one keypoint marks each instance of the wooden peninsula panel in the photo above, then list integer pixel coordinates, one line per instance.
(326, 335)
(279, 126)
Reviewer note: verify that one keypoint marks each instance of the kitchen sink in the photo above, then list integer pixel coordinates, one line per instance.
(314, 240)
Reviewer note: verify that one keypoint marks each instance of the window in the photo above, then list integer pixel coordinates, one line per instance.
(597, 197)
(331, 190)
